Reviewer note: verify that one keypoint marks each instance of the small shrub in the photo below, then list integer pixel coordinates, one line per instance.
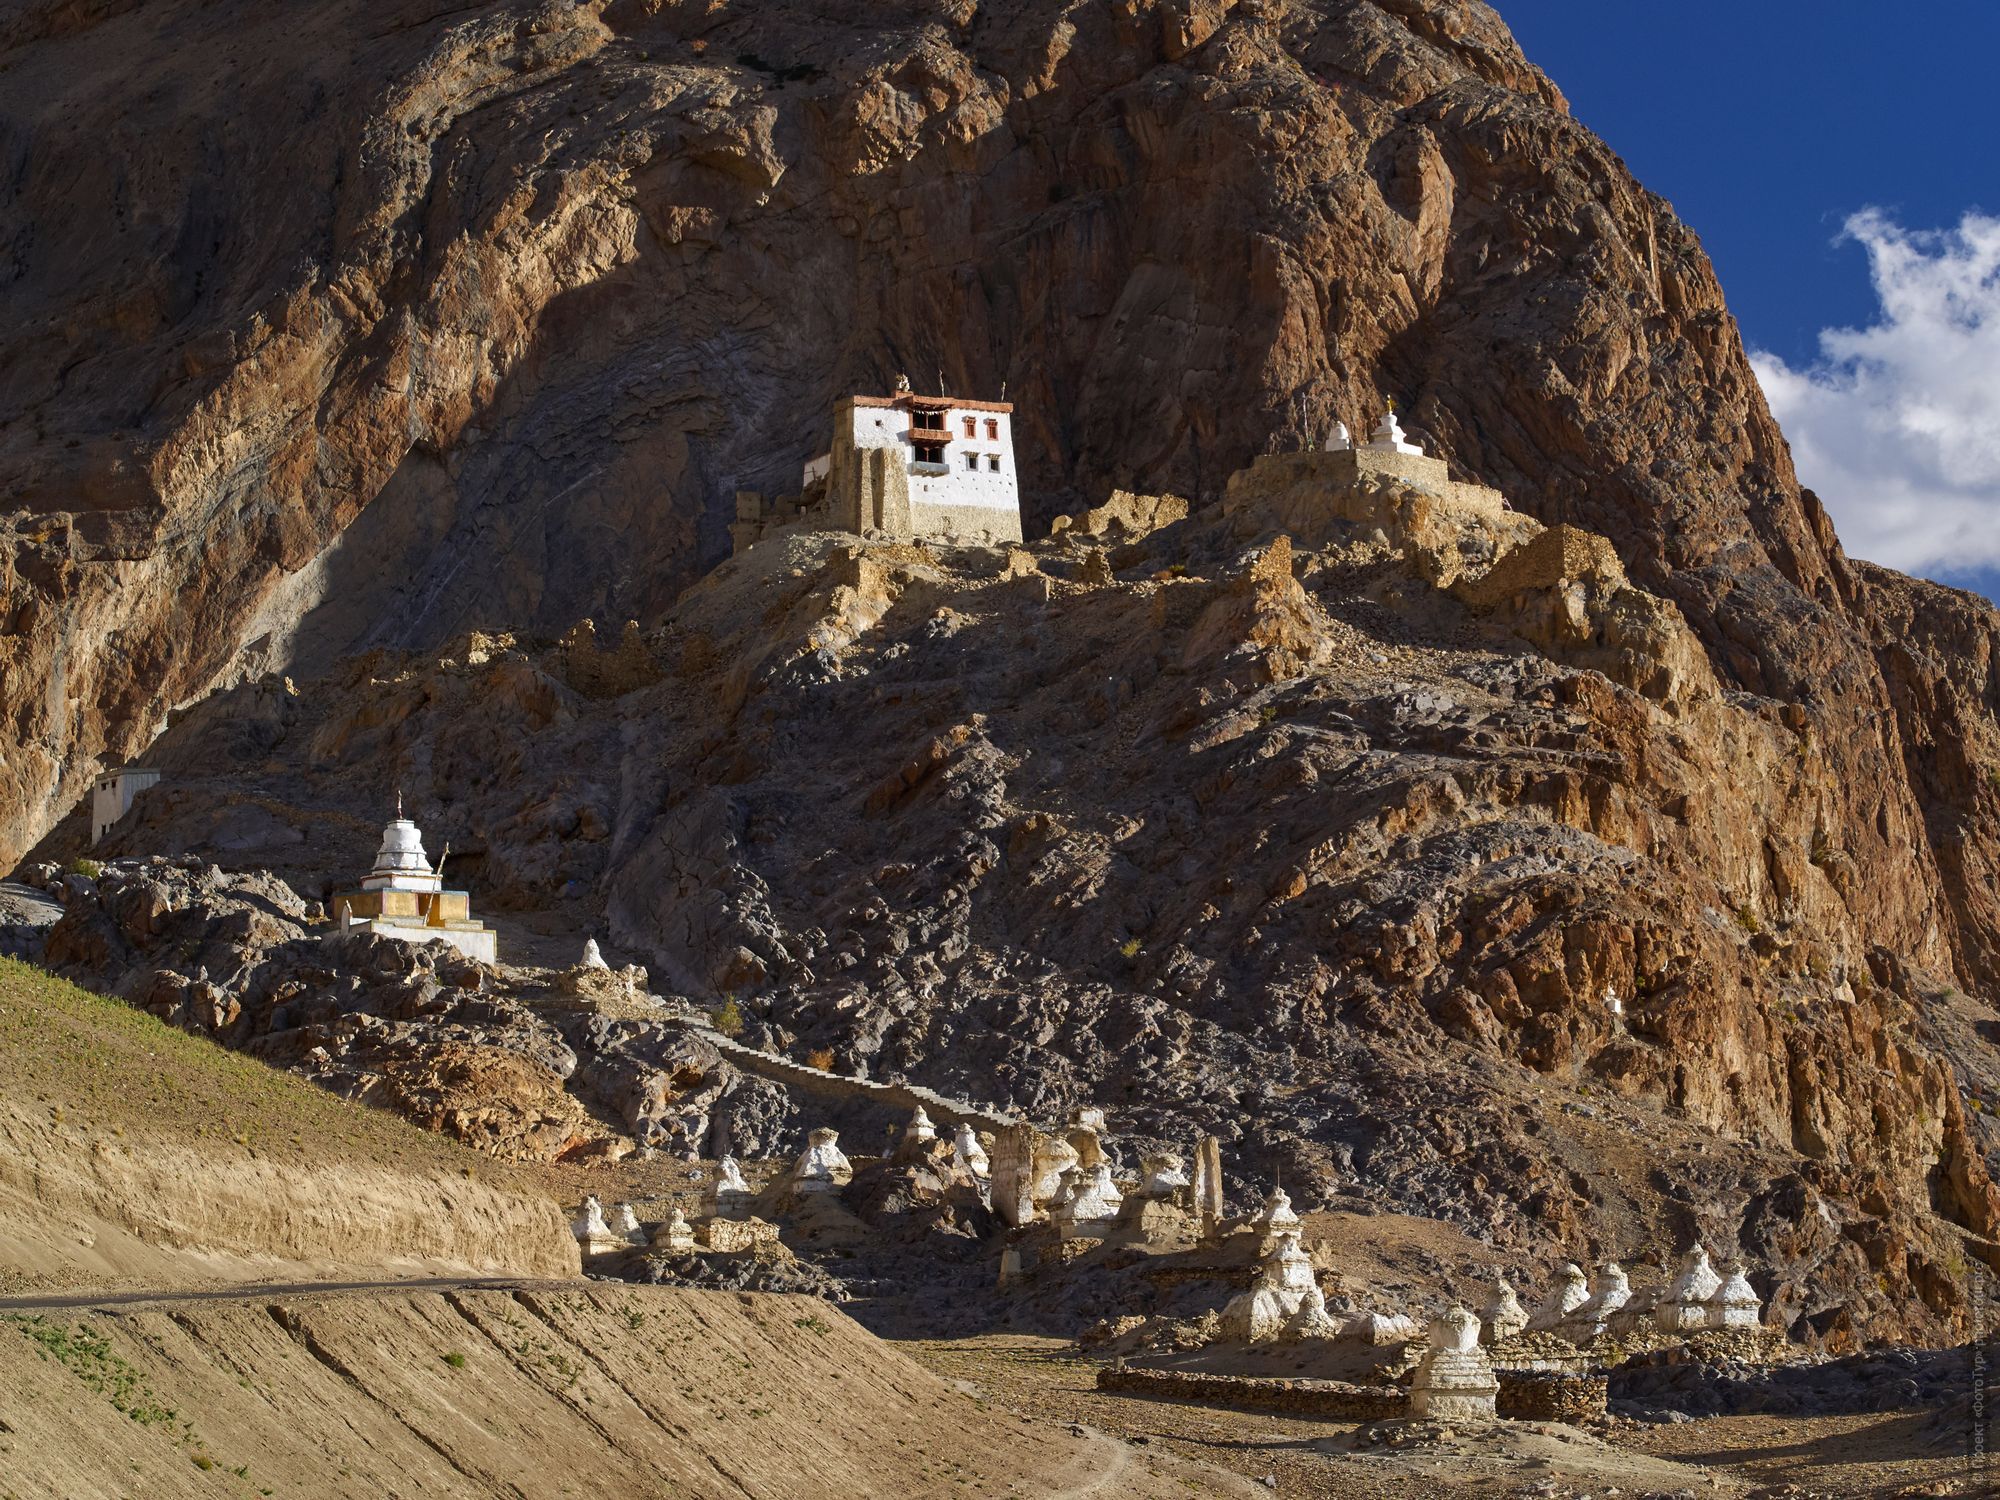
(89, 869)
(1130, 947)
(813, 1323)
(455, 1360)
(1268, 714)
(728, 1017)
(1747, 920)
(821, 1058)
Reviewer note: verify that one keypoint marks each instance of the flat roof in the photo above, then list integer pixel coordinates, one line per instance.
(955, 403)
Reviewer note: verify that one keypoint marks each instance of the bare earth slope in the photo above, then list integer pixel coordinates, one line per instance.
(139, 1156)
(628, 1391)
(132, 1152)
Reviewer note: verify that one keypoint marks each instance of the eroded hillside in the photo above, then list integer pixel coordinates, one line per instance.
(1417, 853)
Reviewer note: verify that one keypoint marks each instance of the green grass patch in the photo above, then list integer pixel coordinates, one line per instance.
(88, 1357)
(95, 1063)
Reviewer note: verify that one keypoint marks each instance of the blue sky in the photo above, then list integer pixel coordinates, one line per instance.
(1771, 124)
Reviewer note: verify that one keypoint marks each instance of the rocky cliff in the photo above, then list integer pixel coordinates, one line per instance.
(368, 327)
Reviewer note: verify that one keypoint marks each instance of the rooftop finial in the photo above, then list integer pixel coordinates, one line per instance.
(399, 803)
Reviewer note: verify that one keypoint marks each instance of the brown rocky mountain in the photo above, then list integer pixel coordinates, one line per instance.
(371, 326)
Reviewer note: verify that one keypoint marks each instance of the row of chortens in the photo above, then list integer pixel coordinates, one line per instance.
(1073, 1191)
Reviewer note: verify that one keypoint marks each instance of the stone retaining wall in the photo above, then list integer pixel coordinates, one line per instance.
(1526, 1397)
(1539, 1397)
(900, 1098)
(1306, 1398)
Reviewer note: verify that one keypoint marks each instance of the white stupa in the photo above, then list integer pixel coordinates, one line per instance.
(1340, 440)
(402, 897)
(1388, 437)
(401, 864)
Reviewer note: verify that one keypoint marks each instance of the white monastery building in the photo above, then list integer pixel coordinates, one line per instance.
(111, 797)
(939, 467)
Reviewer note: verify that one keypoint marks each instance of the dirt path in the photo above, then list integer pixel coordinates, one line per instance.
(268, 1290)
(1886, 1454)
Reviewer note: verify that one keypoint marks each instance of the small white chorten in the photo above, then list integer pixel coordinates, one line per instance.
(1609, 1292)
(400, 862)
(1289, 1264)
(592, 959)
(675, 1234)
(1312, 1320)
(1735, 1303)
(1455, 1382)
(971, 1155)
(920, 1127)
(1340, 440)
(1504, 1318)
(1388, 436)
(402, 897)
(1051, 1158)
(1090, 1204)
(824, 1168)
(1276, 1217)
(731, 1194)
(625, 1224)
(592, 1233)
(1571, 1292)
(1683, 1307)
(1283, 1279)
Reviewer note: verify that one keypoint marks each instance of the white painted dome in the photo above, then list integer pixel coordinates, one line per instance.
(402, 851)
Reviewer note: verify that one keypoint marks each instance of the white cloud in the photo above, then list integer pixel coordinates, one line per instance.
(1897, 426)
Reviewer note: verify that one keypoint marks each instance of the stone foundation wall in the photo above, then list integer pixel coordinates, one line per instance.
(900, 1098)
(1552, 1398)
(978, 525)
(1305, 1398)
